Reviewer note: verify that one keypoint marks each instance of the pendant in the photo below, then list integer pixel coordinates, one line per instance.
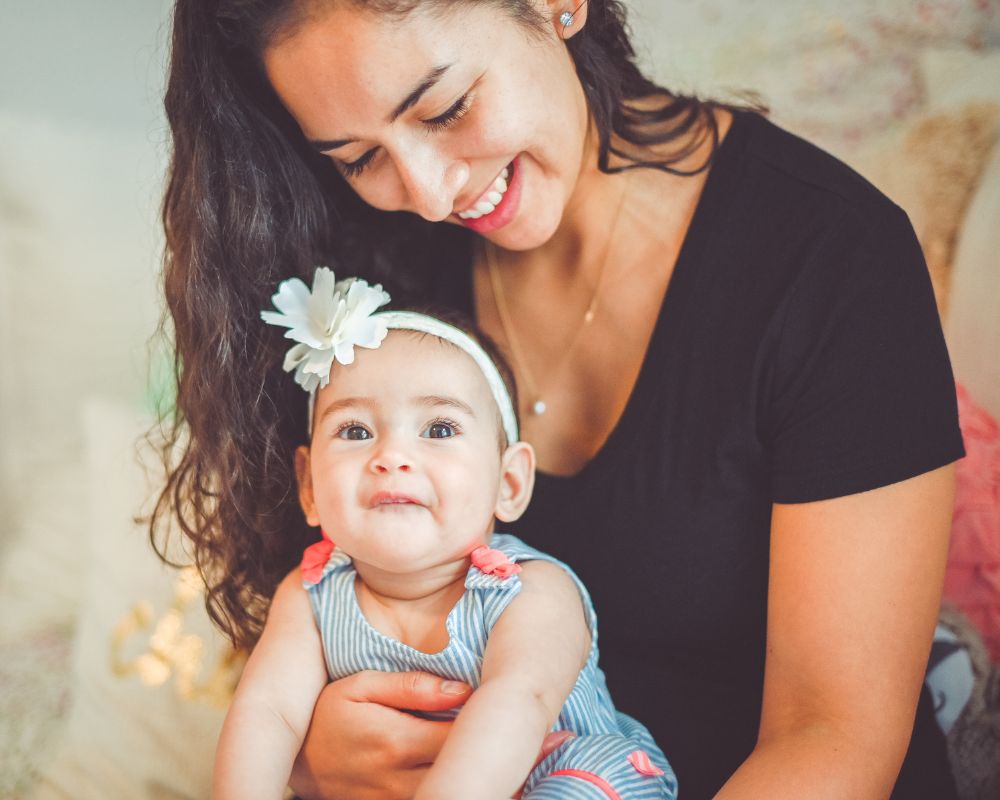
(538, 407)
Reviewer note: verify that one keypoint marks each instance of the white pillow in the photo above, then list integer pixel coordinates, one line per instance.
(79, 245)
(44, 539)
(151, 676)
(973, 324)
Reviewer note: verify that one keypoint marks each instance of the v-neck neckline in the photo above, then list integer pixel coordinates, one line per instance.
(710, 204)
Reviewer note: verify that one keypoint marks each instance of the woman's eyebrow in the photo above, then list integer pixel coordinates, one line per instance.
(411, 99)
(429, 80)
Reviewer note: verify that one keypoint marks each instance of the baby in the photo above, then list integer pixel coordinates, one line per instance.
(414, 454)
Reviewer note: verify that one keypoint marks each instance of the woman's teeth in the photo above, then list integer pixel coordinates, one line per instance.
(490, 200)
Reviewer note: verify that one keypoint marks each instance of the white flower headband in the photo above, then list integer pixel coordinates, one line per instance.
(337, 316)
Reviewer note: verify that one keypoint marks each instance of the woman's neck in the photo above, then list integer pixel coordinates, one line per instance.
(624, 206)
(577, 246)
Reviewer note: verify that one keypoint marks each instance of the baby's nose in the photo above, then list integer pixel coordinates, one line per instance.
(391, 459)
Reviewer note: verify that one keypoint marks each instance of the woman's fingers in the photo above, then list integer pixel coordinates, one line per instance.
(551, 742)
(361, 746)
(413, 741)
(417, 691)
(406, 741)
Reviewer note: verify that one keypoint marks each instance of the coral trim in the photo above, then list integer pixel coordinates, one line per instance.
(314, 559)
(590, 777)
(643, 764)
(494, 562)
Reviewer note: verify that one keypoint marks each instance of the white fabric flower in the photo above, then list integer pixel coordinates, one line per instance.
(328, 323)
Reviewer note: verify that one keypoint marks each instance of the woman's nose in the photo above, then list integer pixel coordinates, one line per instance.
(432, 182)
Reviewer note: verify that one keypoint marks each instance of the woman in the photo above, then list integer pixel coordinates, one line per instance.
(723, 328)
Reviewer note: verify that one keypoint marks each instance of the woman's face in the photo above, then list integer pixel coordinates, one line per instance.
(458, 114)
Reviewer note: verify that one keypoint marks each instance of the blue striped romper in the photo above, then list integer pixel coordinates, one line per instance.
(608, 757)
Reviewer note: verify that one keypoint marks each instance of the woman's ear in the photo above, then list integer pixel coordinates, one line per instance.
(517, 479)
(304, 476)
(568, 16)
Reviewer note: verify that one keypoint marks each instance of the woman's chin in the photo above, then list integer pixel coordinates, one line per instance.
(530, 237)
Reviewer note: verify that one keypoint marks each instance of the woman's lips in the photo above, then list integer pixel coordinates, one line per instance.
(505, 209)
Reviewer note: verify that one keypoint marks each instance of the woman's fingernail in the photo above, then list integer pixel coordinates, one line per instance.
(453, 687)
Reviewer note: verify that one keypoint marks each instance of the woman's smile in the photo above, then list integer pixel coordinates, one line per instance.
(498, 205)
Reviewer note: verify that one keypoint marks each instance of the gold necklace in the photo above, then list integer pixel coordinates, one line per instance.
(538, 405)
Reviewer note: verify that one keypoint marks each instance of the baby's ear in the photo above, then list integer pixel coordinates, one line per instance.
(304, 476)
(517, 479)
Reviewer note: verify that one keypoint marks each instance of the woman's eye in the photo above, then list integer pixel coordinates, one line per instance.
(440, 430)
(352, 169)
(452, 115)
(354, 432)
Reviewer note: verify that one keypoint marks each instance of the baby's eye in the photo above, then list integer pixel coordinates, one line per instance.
(441, 429)
(354, 432)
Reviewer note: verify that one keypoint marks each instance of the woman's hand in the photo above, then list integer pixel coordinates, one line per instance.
(362, 747)
(552, 742)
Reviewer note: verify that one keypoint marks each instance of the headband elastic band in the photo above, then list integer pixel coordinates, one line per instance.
(414, 321)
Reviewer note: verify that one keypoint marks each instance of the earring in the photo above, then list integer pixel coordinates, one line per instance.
(566, 19)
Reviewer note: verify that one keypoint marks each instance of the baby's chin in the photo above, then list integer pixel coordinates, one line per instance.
(399, 549)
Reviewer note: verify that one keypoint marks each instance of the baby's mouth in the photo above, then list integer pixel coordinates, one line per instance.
(394, 500)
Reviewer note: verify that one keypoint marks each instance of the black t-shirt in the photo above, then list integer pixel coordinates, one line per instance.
(797, 356)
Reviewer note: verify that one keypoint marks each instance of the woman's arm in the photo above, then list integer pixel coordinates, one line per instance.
(853, 598)
(533, 658)
(270, 712)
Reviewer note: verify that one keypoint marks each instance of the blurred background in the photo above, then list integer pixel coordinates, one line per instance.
(112, 683)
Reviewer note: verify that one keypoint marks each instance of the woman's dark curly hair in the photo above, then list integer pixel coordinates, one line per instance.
(248, 204)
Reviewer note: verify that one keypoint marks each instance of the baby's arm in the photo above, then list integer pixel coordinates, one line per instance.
(273, 704)
(533, 658)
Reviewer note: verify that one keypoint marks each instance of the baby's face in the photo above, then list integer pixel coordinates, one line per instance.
(404, 469)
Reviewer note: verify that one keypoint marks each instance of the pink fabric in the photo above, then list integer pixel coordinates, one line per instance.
(493, 562)
(642, 763)
(590, 777)
(972, 579)
(314, 559)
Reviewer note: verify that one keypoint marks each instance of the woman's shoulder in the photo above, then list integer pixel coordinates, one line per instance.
(786, 173)
(779, 210)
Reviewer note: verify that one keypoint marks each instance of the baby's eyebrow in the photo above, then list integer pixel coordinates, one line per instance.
(347, 402)
(432, 400)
